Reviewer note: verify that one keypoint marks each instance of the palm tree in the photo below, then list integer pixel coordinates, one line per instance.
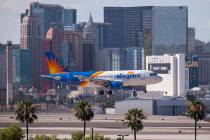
(133, 119)
(84, 113)
(26, 112)
(195, 110)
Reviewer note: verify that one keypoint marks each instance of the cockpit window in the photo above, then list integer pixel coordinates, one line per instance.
(153, 74)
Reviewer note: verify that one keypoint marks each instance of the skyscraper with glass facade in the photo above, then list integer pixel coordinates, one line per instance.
(52, 15)
(169, 29)
(152, 29)
(130, 28)
(31, 38)
(128, 25)
(70, 18)
(191, 40)
(23, 60)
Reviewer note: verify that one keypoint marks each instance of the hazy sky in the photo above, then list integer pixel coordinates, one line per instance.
(198, 11)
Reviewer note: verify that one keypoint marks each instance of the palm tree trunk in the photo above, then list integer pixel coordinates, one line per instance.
(195, 129)
(134, 133)
(84, 128)
(26, 129)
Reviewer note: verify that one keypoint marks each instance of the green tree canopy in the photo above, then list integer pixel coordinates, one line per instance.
(84, 112)
(133, 119)
(26, 113)
(196, 111)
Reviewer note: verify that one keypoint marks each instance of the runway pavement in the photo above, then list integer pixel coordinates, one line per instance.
(101, 121)
(155, 127)
(148, 133)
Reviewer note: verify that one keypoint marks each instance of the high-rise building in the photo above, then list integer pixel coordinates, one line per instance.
(128, 26)
(75, 54)
(204, 68)
(52, 15)
(169, 30)
(125, 35)
(70, 18)
(23, 62)
(172, 70)
(199, 47)
(55, 35)
(154, 29)
(91, 35)
(123, 58)
(9, 73)
(3, 74)
(90, 49)
(101, 52)
(6, 73)
(192, 65)
(31, 38)
(46, 47)
(191, 40)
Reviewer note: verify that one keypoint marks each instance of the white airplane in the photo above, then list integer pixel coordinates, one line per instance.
(105, 80)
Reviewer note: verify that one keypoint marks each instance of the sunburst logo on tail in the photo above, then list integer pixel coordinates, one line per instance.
(53, 64)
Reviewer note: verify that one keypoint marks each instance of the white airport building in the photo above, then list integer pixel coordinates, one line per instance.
(121, 107)
(172, 69)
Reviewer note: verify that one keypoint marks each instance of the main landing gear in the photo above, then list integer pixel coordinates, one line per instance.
(134, 93)
(145, 89)
(101, 92)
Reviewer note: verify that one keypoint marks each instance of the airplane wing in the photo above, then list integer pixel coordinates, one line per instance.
(83, 78)
(51, 77)
(102, 82)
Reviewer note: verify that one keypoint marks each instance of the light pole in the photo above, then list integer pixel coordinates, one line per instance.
(91, 133)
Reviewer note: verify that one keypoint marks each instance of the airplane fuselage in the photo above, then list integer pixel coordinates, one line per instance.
(115, 78)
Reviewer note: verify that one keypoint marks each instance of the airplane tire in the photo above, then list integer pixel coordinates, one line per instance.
(134, 93)
(109, 92)
(101, 92)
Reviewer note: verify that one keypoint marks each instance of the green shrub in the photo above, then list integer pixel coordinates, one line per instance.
(44, 137)
(96, 137)
(11, 133)
(77, 135)
(119, 138)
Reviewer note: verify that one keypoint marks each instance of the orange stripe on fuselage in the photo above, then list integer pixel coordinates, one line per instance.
(130, 72)
(86, 83)
(96, 74)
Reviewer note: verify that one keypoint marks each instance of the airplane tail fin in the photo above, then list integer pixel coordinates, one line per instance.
(54, 64)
